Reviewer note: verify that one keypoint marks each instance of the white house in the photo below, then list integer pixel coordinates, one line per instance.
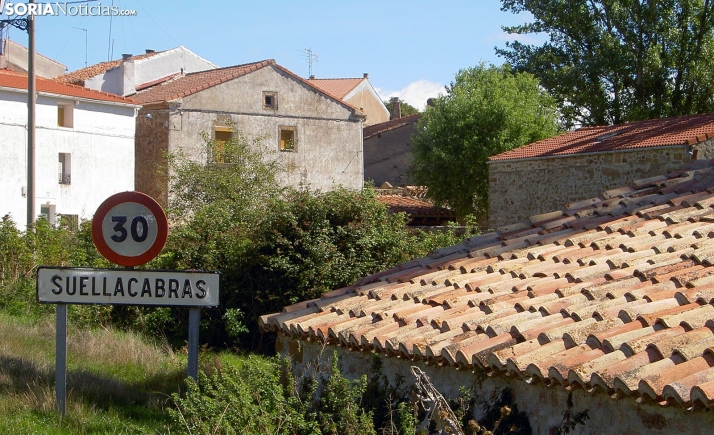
(84, 147)
(131, 74)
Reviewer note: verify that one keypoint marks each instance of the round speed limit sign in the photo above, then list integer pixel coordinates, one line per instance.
(129, 228)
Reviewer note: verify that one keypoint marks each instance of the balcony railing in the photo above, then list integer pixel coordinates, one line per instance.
(65, 178)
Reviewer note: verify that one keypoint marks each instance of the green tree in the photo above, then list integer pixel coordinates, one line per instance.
(487, 110)
(405, 109)
(273, 246)
(614, 61)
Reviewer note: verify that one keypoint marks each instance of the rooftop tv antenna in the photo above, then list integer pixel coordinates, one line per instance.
(310, 58)
(85, 44)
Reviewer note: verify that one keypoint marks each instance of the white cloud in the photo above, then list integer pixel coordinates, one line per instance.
(415, 93)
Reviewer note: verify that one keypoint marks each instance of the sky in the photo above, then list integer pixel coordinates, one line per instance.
(410, 49)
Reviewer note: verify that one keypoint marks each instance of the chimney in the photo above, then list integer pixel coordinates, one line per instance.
(365, 75)
(396, 108)
(126, 56)
(148, 50)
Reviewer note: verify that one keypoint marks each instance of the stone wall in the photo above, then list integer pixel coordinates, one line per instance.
(522, 188)
(543, 405)
(387, 156)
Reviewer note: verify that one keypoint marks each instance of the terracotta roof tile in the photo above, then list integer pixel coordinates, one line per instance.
(79, 76)
(621, 303)
(641, 134)
(337, 87)
(16, 80)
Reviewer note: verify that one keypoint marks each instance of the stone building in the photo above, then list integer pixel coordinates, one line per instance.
(388, 149)
(579, 164)
(314, 134)
(357, 92)
(604, 308)
(132, 73)
(84, 148)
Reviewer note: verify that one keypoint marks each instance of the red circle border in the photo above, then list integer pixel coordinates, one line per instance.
(120, 198)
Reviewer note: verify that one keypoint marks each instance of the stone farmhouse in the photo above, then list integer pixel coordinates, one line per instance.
(357, 92)
(316, 135)
(131, 74)
(578, 164)
(84, 147)
(603, 306)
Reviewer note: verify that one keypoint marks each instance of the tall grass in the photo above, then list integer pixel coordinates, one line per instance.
(116, 381)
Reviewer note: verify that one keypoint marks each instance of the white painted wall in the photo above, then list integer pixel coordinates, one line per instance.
(101, 145)
(123, 79)
(163, 65)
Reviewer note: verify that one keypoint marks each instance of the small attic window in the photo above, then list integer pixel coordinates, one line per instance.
(270, 100)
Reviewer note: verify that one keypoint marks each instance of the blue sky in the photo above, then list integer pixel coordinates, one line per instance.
(410, 49)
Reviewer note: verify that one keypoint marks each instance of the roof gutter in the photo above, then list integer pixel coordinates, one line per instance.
(70, 97)
(564, 156)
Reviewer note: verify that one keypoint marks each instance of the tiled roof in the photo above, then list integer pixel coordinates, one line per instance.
(195, 82)
(680, 130)
(15, 80)
(392, 124)
(413, 206)
(79, 76)
(198, 81)
(337, 87)
(613, 294)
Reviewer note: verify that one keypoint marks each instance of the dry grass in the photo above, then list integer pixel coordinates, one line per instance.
(113, 377)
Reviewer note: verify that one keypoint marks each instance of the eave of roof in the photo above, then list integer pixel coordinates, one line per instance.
(612, 293)
(393, 124)
(682, 130)
(18, 81)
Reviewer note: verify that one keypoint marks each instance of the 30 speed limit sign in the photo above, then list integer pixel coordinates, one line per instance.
(129, 228)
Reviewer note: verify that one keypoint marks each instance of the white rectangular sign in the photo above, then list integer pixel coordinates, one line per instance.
(127, 287)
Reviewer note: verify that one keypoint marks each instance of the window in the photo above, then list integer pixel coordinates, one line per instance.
(221, 136)
(288, 139)
(270, 100)
(65, 116)
(65, 168)
(47, 211)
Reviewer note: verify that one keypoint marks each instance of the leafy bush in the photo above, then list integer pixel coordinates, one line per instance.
(261, 395)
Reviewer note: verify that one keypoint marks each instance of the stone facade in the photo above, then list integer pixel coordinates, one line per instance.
(543, 405)
(525, 187)
(388, 154)
(328, 133)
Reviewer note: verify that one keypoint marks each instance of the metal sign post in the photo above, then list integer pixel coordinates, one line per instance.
(130, 229)
(61, 359)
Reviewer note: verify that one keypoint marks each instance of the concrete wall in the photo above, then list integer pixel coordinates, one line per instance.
(163, 65)
(544, 405)
(329, 139)
(387, 156)
(522, 188)
(123, 79)
(14, 57)
(367, 100)
(100, 145)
